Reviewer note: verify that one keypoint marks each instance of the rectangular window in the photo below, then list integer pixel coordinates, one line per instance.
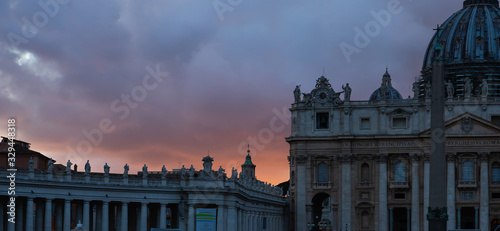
(322, 173)
(495, 195)
(322, 120)
(467, 170)
(365, 124)
(399, 122)
(495, 119)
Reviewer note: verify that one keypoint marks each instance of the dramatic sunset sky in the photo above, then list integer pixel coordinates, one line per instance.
(66, 69)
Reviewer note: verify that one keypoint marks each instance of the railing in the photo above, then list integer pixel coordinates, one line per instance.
(401, 184)
(467, 184)
(326, 185)
(496, 183)
(365, 184)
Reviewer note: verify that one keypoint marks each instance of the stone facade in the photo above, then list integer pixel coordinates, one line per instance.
(370, 161)
(47, 200)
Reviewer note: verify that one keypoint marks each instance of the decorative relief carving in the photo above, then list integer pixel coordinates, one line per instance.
(451, 156)
(483, 156)
(450, 108)
(381, 157)
(415, 156)
(426, 156)
(301, 159)
(467, 124)
(346, 158)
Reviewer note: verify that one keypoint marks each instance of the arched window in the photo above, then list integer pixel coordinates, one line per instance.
(365, 220)
(400, 172)
(322, 173)
(495, 172)
(365, 173)
(468, 171)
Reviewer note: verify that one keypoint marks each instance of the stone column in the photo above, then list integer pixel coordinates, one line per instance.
(450, 183)
(144, 216)
(105, 216)
(86, 214)
(67, 215)
(231, 218)
(124, 219)
(346, 190)
(48, 215)
(300, 208)
(427, 178)
(29, 214)
(191, 217)
(220, 217)
(484, 202)
(415, 192)
(382, 192)
(163, 215)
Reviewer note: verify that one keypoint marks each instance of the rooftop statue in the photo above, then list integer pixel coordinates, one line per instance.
(125, 170)
(106, 169)
(347, 92)
(50, 169)
(163, 172)
(144, 171)
(68, 166)
(31, 162)
(296, 93)
(484, 88)
(87, 167)
(449, 89)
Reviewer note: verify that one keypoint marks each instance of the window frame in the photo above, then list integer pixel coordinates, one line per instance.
(317, 122)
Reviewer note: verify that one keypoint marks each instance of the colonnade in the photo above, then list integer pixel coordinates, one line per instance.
(62, 214)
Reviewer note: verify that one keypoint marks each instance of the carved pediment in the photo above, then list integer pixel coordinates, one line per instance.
(469, 124)
(399, 112)
(322, 95)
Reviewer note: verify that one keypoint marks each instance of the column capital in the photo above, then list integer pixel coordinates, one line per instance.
(483, 156)
(381, 157)
(415, 156)
(451, 156)
(301, 159)
(346, 158)
(426, 156)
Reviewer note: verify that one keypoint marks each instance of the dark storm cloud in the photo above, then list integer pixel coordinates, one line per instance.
(225, 77)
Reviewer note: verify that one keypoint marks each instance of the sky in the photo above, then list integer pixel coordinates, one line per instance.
(168, 82)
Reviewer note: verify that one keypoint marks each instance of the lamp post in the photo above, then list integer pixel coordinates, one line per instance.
(310, 225)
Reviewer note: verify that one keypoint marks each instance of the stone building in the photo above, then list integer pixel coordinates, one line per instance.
(181, 199)
(364, 165)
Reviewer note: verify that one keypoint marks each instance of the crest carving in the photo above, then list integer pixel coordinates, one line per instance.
(467, 124)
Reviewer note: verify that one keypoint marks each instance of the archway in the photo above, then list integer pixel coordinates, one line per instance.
(322, 208)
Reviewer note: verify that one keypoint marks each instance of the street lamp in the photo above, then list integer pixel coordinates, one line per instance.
(311, 225)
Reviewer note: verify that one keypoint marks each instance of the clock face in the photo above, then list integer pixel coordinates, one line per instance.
(322, 96)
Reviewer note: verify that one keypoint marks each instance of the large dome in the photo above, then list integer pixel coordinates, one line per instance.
(469, 35)
(470, 46)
